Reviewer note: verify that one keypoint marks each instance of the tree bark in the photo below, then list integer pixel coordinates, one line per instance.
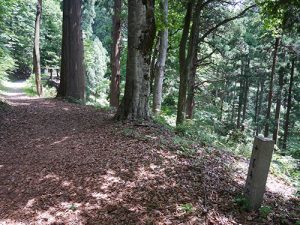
(115, 55)
(186, 63)
(256, 109)
(36, 49)
(161, 62)
(289, 107)
(261, 96)
(153, 62)
(278, 106)
(270, 95)
(221, 107)
(190, 100)
(72, 84)
(241, 95)
(246, 90)
(141, 33)
(233, 103)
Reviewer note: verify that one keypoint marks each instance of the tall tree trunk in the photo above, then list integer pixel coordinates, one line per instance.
(186, 63)
(36, 49)
(270, 95)
(72, 83)
(141, 33)
(256, 108)
(190, 100)
(246, 90)
(161, 62)
(115, 55)
(233, 103)
(153, 62)
(241, 95)
(278, 106)
(260, 103)
(245, 99)
(289, 107)
(221, 107)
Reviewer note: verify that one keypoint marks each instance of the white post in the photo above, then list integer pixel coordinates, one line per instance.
(258, 171)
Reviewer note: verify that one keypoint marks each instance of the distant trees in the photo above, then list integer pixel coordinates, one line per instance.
(270, 94)
(289, 106)
(193, 35)
(239, 76)
(72, 83)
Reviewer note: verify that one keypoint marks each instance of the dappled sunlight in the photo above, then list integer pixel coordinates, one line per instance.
(14, 85)
(11, 222)
(13, 91)
(274, 184)
(60, 141)
(53, 177)
(109, 180)
(65, 214)
(144, 174)
(89, 172)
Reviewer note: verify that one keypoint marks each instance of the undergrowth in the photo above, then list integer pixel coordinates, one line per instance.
(210, 132)
(30, 87)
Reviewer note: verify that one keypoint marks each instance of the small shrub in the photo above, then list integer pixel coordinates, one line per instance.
(3, 106)
(242, 202)
(73, 207)
(187, 208)
(129, 132)
(30, 88)
(264, 211)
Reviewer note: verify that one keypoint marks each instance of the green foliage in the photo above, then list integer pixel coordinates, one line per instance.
(17, 20)
(129, 132)
(183, 145)
(51, 34)
(73, 207)
(279, 14)
(96, 64)
(242, 202)
(7, 65)
(30, 88)
(3, 106)
(95, 56)
(264, 211)
(287, 168)
(187, 208)
(88, 17)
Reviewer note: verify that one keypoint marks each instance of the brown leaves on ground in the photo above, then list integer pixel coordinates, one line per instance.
(69, 164)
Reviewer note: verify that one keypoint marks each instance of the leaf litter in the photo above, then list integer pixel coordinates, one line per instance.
(63, 163)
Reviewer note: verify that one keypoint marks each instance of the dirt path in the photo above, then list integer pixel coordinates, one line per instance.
(13, 90)
(62, 163)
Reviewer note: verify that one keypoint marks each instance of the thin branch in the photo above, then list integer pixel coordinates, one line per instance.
(224, 22)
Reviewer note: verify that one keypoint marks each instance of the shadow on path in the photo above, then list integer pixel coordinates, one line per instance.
(69, 164)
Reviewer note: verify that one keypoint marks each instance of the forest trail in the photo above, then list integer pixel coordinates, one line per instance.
(63, 163)
(13, 90)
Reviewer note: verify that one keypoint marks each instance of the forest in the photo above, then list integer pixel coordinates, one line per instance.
(149, 112)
